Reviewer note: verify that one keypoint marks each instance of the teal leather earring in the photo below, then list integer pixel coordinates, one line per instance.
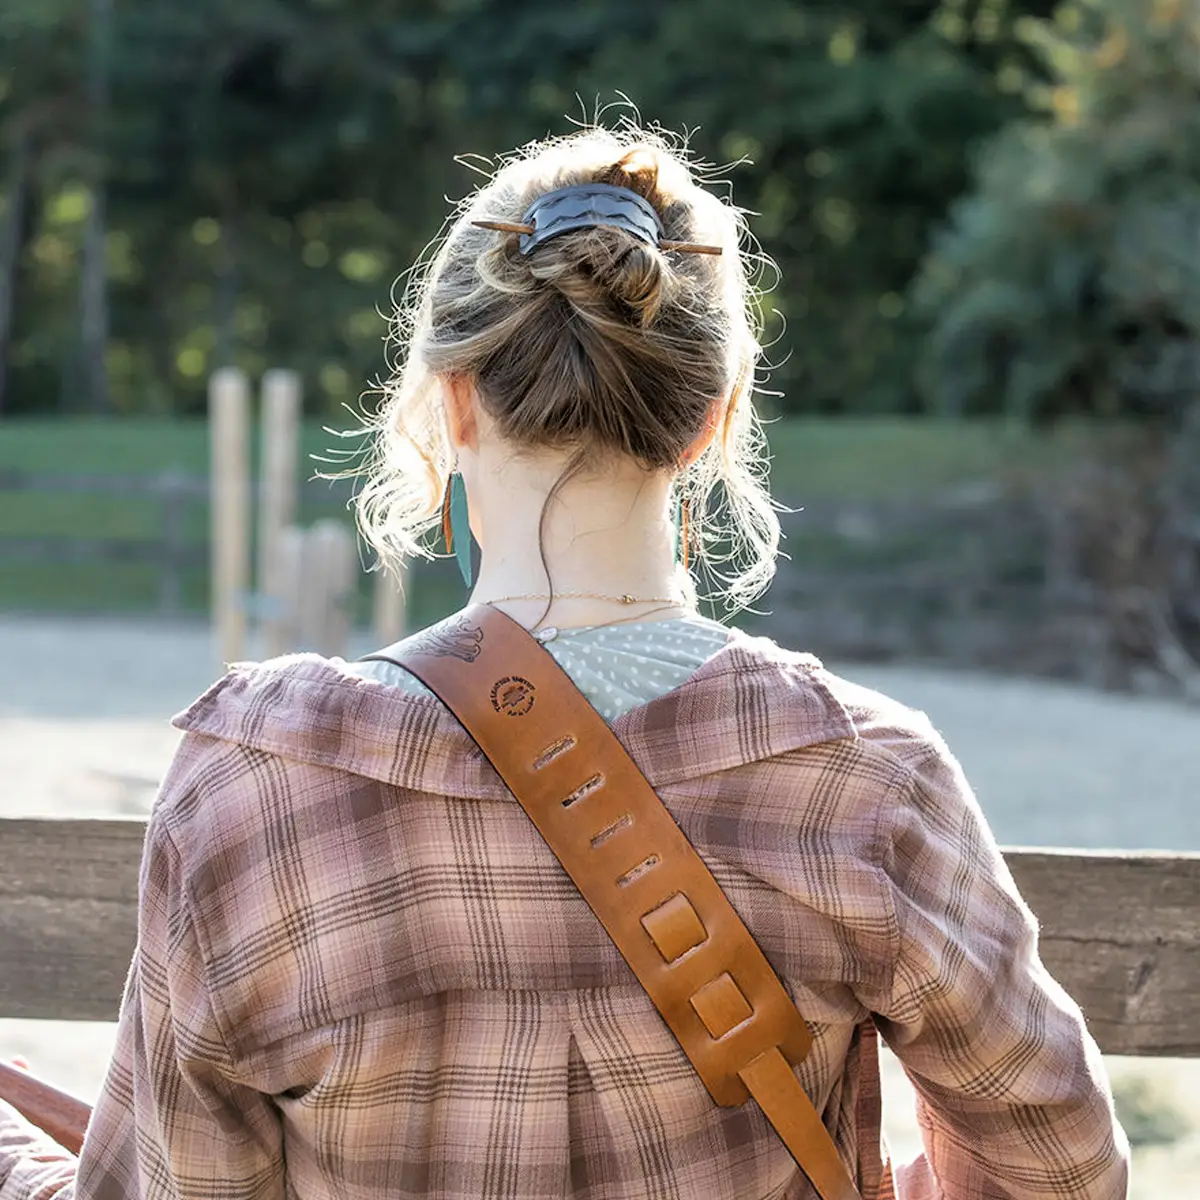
(456, 524)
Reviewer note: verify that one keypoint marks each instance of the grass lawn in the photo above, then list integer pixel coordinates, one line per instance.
(813, 460)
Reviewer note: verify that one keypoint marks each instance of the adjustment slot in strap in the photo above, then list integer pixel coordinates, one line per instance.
(553, 751)
(609, 830)
(635, 873)
(583, 790)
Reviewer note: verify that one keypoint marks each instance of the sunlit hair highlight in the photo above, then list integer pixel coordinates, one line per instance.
(594, 343)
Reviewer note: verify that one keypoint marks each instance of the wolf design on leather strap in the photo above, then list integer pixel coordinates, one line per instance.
(638, 872)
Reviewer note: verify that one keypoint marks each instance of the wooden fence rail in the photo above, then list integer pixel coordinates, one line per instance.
(170, 494)
(1121, 932)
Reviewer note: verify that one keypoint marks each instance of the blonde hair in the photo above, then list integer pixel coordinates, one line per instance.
(595, 342)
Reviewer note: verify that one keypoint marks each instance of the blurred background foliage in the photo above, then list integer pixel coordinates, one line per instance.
(1068, 280)
(241, 180)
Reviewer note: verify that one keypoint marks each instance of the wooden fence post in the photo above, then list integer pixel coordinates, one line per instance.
(291, 583)
(229, 426)
(388, 618)
(332, 561)
(279, 490)
(318, 571)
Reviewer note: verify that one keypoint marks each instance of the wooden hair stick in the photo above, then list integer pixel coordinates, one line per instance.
(683, 247)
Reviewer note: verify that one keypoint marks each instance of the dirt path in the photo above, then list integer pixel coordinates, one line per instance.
(84, 710)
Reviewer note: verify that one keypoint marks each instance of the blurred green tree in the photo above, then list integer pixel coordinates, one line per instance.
(1068, 280)
(271, 165)
(857, 119)
(44, 145)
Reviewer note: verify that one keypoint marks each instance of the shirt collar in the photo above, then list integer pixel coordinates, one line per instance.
(751, 701)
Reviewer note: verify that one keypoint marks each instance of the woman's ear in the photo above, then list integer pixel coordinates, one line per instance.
(462, 411)
(712, 423)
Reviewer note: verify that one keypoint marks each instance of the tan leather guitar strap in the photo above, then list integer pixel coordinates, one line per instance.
(641, 876)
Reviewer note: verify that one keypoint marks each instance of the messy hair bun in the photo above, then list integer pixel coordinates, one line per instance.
(606, 263)
(596, 341)
(605, 269)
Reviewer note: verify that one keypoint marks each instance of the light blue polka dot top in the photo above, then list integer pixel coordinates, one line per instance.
(617, 667)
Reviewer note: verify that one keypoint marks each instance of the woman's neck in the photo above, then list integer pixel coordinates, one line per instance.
(607, 532)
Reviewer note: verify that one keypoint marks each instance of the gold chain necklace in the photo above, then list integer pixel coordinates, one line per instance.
(547, 633)
(624, 598)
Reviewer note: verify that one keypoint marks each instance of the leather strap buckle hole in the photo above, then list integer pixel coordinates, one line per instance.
(553, 751)
(635, 873)
(616, 827)
(584, 789)
(675, 927)
(721, 1005)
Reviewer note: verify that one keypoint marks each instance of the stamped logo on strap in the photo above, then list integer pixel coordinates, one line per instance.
(513, 696)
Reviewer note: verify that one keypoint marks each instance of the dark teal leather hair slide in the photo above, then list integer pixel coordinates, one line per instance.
(584, 206)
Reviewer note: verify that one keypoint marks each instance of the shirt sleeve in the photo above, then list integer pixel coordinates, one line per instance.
(1013, 1101)
(172, 1121)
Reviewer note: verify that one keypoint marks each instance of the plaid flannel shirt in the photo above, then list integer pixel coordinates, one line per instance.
(360, 973)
